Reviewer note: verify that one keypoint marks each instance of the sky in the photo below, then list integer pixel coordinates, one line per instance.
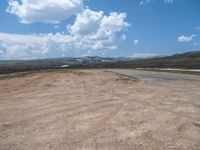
(35, 29)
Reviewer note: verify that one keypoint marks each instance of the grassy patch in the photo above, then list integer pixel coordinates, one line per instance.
(79, 73)
(14, 75)
(127, 79)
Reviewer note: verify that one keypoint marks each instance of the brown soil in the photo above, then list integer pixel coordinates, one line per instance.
(95, 109)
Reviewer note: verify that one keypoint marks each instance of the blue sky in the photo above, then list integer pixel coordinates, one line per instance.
(32, 29)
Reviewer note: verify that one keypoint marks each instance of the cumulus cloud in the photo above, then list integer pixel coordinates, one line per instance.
(184, 38)
(91, 33)
(87, 22)
(98, 25)
(2, 51)
(105, 33)
(98, 30)
(17, 46)
(48, 11)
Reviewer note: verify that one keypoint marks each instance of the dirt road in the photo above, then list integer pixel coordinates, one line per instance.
(97, 109)
(157, 76)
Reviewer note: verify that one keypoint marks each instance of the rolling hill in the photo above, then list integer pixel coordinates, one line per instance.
(189, 60)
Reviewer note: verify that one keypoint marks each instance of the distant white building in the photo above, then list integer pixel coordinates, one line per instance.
(64, 66)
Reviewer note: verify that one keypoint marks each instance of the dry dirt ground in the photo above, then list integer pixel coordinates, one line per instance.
(97, 109)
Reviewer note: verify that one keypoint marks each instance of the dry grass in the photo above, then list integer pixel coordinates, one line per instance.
(26, 73)
(127, 79)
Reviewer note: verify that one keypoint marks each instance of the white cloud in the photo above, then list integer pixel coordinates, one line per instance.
(184, 38)
(92, 33)
(97, 24)
(144, 55)
(17, 46)
(105, 35)
(99, 30)
(142, 2)
(48, 11)
(2, 51)
(136, 42)
(87, 22)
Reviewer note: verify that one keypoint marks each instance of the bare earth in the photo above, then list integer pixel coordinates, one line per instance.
(97, 109)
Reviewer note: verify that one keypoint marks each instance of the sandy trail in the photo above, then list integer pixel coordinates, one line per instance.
(157, 76)
(96, 109)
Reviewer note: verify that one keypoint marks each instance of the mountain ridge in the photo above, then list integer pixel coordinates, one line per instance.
(188, 60)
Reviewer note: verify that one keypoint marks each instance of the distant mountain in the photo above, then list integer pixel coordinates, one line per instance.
(190, 60)
(7, 66)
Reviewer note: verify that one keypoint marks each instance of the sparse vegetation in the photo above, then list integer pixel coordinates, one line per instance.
(190, 60)
(127, 79)
(98, 111)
